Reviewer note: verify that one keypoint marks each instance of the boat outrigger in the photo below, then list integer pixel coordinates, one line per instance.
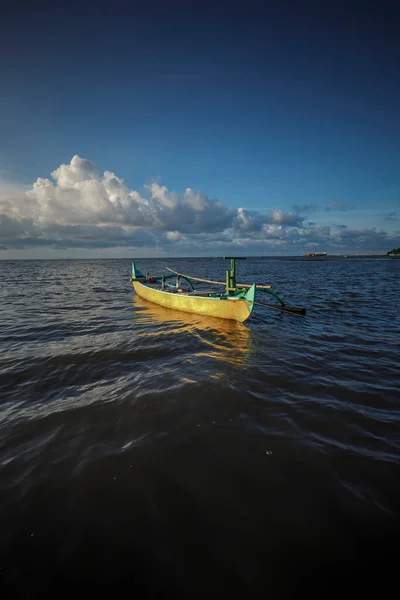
(236, 302)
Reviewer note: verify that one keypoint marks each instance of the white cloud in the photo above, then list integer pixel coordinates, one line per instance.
(79, 195)
(82, 208)
(253, 222)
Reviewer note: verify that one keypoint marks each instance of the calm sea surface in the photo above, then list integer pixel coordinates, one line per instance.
(153, 453)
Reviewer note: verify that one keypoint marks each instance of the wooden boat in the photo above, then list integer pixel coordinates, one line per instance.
(315, 256)
(236, 302)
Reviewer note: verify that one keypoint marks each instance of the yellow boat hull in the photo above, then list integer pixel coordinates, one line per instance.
(236, 309)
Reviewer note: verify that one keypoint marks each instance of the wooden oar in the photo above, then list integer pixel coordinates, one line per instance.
(239, 285)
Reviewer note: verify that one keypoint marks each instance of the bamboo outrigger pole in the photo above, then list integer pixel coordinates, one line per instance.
(231, 286)
(240, 285)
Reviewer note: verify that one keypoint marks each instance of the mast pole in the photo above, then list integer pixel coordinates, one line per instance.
(231, 275)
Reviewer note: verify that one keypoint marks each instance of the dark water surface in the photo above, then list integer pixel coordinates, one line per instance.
(159, 454)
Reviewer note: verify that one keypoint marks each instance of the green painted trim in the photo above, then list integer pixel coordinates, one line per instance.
(271, 293)
(231, 298)
(188, 280)
(250, 297)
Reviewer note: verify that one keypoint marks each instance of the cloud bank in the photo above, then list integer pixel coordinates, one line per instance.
(82, 208)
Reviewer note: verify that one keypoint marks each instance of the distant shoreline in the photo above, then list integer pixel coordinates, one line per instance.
(177, 258)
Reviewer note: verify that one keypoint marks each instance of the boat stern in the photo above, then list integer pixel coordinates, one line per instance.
(250, 298)
(136, 274)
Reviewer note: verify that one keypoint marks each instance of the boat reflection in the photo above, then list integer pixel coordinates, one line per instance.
(222, 339)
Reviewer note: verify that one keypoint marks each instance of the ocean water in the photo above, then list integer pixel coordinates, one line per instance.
(154, 453)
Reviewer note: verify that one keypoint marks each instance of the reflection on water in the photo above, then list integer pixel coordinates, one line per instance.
(188, 456)
(221, 339)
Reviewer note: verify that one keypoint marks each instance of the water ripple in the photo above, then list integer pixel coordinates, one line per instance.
(131, 430)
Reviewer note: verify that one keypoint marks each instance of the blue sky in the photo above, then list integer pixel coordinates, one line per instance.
(266, 106)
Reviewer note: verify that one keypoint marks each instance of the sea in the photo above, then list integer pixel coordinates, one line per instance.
(150, 453)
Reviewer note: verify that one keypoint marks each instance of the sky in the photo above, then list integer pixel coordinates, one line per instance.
(182, 128)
